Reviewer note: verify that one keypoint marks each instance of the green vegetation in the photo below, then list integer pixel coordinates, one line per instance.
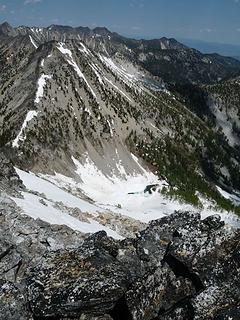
(185, 172)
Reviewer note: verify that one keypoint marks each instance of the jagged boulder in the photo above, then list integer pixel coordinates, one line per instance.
(180, 267)
(9, 180)
(23, 240)
(13, 304)
(67, 283)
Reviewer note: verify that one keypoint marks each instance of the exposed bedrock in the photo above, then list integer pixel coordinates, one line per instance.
(180, 267)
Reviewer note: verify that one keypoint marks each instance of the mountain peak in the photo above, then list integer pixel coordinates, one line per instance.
(171, 43)
(7, 29)
(102, 31)
(5, 24)
(60, 28)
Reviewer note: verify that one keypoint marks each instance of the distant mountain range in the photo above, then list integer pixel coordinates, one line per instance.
(228, 50)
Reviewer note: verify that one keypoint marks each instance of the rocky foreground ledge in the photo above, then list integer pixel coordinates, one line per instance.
(178, 268)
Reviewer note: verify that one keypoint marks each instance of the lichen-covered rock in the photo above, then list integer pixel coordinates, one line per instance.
(9, 180)
(222, 285)
(67, 283)
(157, 291)
(207, 253)
(13, 303)
(23, 240)
(178, 268)
(233, 314)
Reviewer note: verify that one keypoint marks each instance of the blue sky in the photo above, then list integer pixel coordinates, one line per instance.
(209, 20)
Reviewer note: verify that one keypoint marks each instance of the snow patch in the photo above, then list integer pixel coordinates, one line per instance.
(41, 84)
(84, 49)
(33, 42)
(235, 199)
(70, 60)
(224, 122)
(127, 72)
(21, 137)
(114, 86)
(32, 182)
(110, 128)
(96, 71)
(32, 207)
(120, 70)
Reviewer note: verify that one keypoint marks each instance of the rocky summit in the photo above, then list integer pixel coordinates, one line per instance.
(179, 267)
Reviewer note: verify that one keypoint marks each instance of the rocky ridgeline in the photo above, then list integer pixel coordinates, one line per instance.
(178, 268)
(23, 242)
(9, 180)
(166, 58)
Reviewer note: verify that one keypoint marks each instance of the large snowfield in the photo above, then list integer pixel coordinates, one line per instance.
(109, 194)
(32, 206)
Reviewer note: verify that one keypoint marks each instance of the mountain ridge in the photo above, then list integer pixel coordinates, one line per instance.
(162, 57)
(72, 103)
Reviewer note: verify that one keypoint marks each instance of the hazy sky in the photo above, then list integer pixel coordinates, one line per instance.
(210, 20)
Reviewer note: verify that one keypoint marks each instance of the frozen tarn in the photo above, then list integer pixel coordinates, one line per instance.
(32, 207)
(114, 86)
(70, 60)
(33, 43)
(21, 137)
(42, 63)
(41, 84)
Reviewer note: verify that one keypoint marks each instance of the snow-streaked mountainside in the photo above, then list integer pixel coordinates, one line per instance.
(163, 57)
(89, 119)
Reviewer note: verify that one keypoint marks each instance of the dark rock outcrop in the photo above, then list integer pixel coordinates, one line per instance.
(13, 304)
(180, 267)
(23, 241)
(9, 180)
